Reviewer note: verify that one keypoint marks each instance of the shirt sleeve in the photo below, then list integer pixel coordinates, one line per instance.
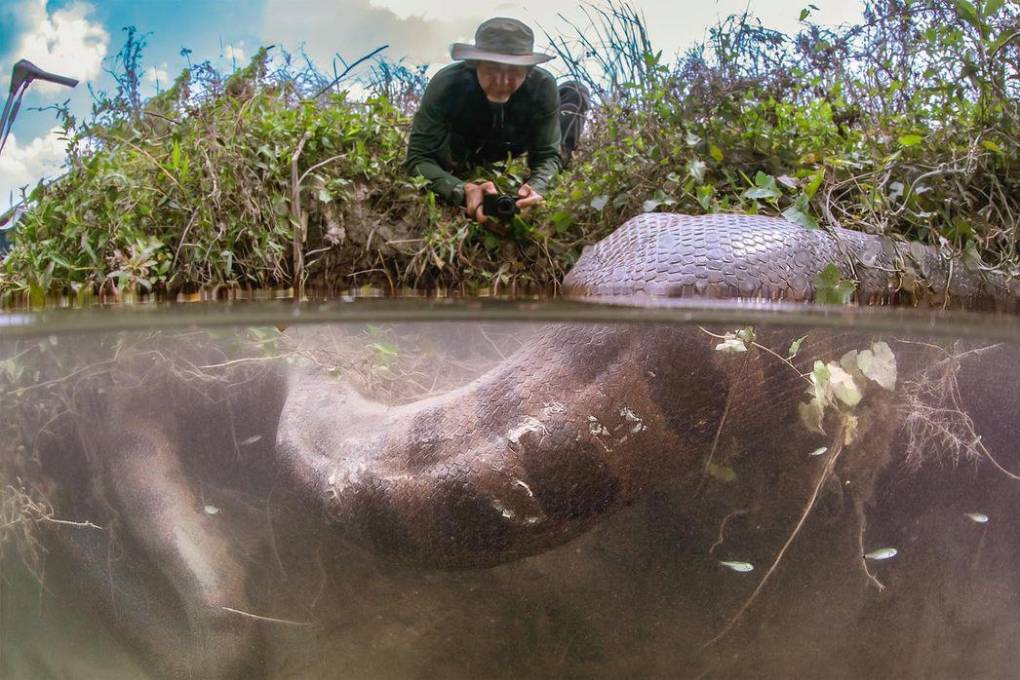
(429, 131)
(544, 151)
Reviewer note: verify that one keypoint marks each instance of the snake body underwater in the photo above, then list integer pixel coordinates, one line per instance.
(585, 419)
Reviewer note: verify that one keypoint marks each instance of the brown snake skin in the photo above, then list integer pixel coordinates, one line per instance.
(751, 256)
(585, 418)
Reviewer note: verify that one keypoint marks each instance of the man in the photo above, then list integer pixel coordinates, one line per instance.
(494, 102)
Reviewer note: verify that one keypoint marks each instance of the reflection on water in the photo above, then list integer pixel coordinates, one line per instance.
(263, 492)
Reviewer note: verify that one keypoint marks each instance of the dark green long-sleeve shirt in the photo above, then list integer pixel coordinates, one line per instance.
(457, 127)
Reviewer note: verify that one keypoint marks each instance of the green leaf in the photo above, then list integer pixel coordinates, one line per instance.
(800, 213)
(795, 347)
(715, 152)
(561, 221)
(705, 193)
(696, 169)
(324, 195)
(968, 13)
(910, 140)
(831, 288)
(599, 202)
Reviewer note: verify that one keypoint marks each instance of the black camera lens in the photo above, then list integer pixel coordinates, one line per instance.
(500, 206)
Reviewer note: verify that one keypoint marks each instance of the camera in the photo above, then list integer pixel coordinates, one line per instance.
(502, 207)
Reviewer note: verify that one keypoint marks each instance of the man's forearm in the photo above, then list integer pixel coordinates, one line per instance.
(543, 173)
(446, 186)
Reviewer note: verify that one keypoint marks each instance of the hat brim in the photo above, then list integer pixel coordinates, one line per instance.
(466, 52)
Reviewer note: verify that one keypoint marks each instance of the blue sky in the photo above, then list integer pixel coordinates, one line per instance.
(76, 37)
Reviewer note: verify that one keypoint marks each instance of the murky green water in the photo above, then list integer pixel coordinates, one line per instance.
(525, 489)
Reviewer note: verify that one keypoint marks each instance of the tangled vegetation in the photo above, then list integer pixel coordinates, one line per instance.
(907, 124)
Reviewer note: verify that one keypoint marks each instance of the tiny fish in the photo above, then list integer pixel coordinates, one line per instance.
(211, 510)
(978, 517)
(251, 440)
(738, 566)
(882, 554)
(819, 451)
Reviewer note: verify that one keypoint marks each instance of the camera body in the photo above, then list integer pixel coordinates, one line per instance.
(502, 207)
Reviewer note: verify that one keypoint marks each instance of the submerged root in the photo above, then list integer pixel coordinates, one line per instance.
(835, 449)
(935, 421)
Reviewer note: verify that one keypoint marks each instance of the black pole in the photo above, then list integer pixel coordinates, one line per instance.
(22, 76)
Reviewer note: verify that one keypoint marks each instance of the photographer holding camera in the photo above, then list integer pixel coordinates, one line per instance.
(494, 102)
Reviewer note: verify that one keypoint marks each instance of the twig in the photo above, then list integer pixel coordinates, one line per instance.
(836, 447)
(298, 219)
(862, 523)
(270, 619)
(722, 529)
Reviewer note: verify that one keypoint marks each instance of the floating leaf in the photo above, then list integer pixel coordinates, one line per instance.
(211, 510)
(979, 517)
(843, 386)
(811, 414)
(724, 473)
(742, 567)
(878, 364)
(819, 451)
(251, 440)
(882, 554)
(731, 343)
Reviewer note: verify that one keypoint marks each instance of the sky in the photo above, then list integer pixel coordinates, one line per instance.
(77, 38)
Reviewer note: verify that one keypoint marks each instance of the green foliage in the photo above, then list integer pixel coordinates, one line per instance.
(831, 288)
(908, 124)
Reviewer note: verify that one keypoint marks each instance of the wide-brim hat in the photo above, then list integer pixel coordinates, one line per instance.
(504, 41)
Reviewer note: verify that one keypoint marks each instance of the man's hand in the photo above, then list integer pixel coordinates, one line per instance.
(528, 197)
(473, 205)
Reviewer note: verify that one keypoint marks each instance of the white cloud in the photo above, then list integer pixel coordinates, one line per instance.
(63, 41)
(235, 53)
(156, 79)
(421, 30)
(26, 164)
(355, 28)
(158, 75)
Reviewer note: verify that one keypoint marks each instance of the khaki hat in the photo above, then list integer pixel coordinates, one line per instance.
(504, 41)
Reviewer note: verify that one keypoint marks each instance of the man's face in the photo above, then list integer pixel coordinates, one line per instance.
(499, 81)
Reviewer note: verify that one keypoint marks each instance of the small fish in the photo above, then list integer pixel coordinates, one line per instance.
(738, 566)
(211, 510)
(819, 451)
(978, 517)
(251, 440)
(882, 554)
